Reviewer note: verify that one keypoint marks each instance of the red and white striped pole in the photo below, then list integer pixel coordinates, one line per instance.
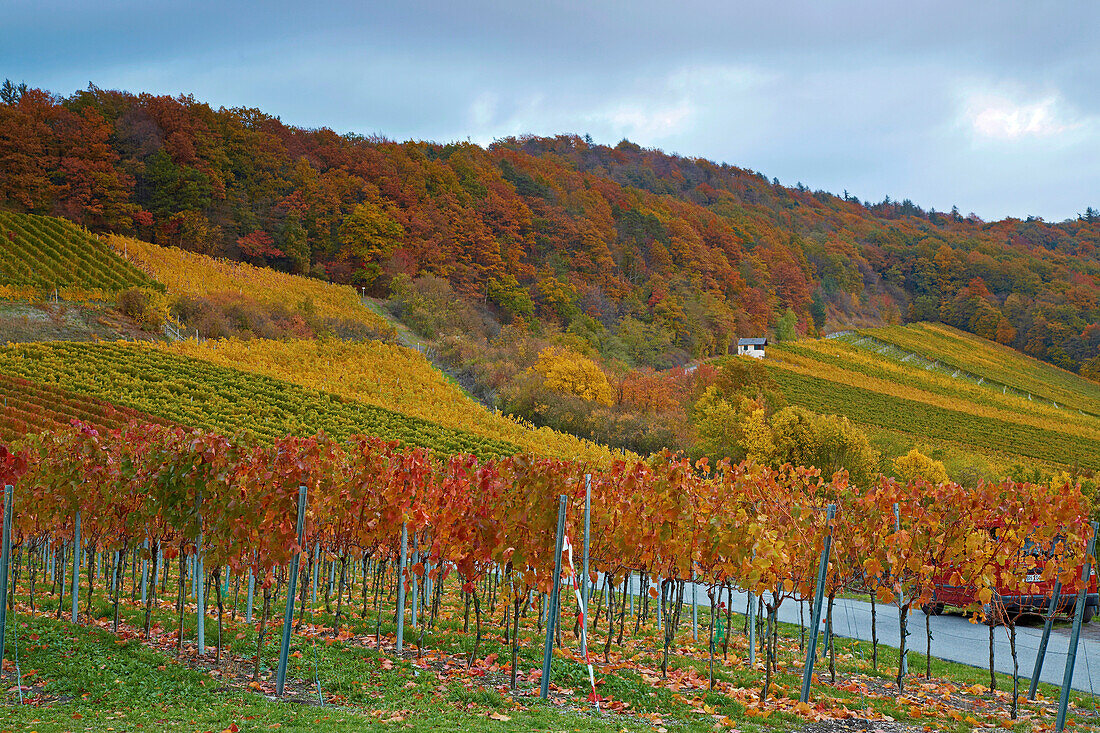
(568, 549)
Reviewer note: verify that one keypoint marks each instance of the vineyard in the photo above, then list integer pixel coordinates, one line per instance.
(39, 254)
(204, 395)
(32, 408)
(391, 377)
(833, 376)
(189, 273)
(994, 362)
(481, 540)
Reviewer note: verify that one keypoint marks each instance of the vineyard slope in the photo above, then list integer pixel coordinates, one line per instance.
(39, 254)
(391, 377)
(32, 408)
(201, 394)
(192, 274)
(993, 362)
(941, 407)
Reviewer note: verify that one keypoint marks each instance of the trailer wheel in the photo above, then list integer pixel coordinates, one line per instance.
(932, 609)
(1090, 611)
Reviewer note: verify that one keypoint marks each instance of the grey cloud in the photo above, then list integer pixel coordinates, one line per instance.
(879, 98)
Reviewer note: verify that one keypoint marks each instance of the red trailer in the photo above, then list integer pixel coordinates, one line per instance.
(1036, 600)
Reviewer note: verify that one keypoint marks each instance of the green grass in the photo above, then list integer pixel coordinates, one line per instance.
(44, 253)
(98, 682)
(198, 393)
(107, 686)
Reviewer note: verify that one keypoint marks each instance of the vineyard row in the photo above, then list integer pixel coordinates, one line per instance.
(235, 505)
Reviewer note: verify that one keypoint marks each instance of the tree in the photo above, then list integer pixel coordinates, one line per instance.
(11, 93)
(369, 235)
(511, 296)
(785, 326)
(1091, 369)
(827, 442)
(818, 311)
(25, 182)
(258, 247)
(564, 370)
(718, 425)
(294, 242)
(915, 465)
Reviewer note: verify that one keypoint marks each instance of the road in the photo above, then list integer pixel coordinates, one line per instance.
(954, 637)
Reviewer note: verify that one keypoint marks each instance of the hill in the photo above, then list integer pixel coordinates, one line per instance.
(651, 258)
(966, 403)
(205, 291)
(43, 256)
(31, 408)
(198, 393)
(392, 377)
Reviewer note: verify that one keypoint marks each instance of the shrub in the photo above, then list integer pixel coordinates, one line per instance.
(916, 465)
(145, 306)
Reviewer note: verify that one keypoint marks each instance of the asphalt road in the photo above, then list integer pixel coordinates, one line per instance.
(954, 637)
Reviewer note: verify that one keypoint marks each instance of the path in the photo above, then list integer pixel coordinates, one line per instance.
(954, 637)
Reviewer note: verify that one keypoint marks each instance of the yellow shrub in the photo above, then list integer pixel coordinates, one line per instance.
(914, 465)
(564, 370)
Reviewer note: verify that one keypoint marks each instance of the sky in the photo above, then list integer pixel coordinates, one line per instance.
(993, 107)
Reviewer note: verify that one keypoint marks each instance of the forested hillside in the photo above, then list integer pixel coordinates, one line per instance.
(650, 259)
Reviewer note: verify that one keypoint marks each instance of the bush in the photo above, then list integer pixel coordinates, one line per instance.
(916, 465)
(147, 307)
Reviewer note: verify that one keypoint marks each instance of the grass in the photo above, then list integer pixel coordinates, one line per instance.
(85, 678)
(40, 320)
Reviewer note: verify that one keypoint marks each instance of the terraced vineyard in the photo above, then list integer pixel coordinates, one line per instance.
(391, 377)
(188, 273)
(201, 394)
(32, 408)
(993, 362)
(883, 393)
(41, 253)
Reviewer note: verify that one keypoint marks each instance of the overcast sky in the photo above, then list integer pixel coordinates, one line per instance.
(990, 106)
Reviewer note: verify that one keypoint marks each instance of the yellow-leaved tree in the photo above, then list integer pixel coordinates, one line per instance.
(757, 437)
(915, 465)
(827, 442)
(717, 426)
(564, 370)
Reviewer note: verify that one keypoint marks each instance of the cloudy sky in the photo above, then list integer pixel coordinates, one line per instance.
(990, 106)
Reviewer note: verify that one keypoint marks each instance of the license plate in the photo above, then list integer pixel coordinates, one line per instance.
(1033, 578)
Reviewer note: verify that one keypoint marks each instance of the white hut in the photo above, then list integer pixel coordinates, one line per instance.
(753, 347)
